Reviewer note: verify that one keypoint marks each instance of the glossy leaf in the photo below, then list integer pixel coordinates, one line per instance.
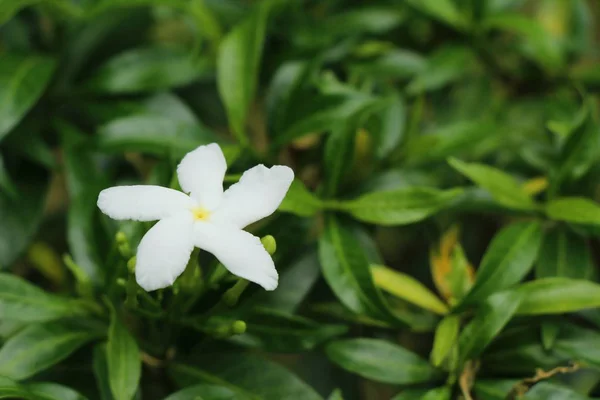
(123, 361)
(300, 201)
(38, 347)
(100, 367)
(381, 361)
(346, 270)
(210, 392)
(10, 389)
(564, 254)
(247, 375)
(574, 209)
(22, 301)
(238, 66)
(487, 389)
(393, 125)
(399, 207)
(491, 317)
(148, 69)
(507, 260)
(557, 296)
(552, 391)
(23, 79)
(503, 187)
(408, 288)
(339, 154)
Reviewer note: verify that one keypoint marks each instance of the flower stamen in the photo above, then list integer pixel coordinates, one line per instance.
(200, 213)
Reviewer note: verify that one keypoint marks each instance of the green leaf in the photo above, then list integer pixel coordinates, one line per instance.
(446, 334)
(564, 254)
(208, 392)
(336, 395)
(446, 65)
(295, 283)
(23, 79)
(393, 124)
(52, 391)
(399, 207)
(410, 394)
(574, 209)
(6, 183)
(10, 389)
(346, 270)
(238, 66)
(582, 147)
(123, 361)
(443, 10)
(156, 134)
(84, 182)
(491, 317)
(381, 361)
(317, 114)
(38, 347)
(557, 296)
(300, 201)
(579, 344)
(279, 332)
(535, 41)
(552, 391)
(393, 64)
(21, 216)
(147, 70)
(503, 187)
(441, 393)
(22, 301)
(247, 375)
(407, 288)
(487, 389)
(100, 366)
(339, 154)
(507, 260)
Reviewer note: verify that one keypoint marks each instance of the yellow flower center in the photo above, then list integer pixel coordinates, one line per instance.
(200, 213)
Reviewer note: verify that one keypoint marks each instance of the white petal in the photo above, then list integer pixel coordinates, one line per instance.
(256, 196)
(164, 252)
(201, 174)
(240, 252)
(142, 202)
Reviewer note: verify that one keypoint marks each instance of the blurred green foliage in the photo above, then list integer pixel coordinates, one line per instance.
(440, 240)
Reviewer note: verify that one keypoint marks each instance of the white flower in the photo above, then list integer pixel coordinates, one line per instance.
(208, 218)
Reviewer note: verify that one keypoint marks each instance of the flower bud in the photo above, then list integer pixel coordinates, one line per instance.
(269, 244)
(238, 327)
(131, 265)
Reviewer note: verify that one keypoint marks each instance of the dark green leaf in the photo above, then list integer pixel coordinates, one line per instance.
(557, 296)
(294, 284)
(381, 361)
(300, 201)
(445, 66)
(20, 217)
(574, 209)
(238, 66)
(582, 345)
(279, 333)
(564, 254)
(552, 391)
(53, 391)
(208, 392)
(399, 207)
(247, 375)
(38, 347)
(100, 367)
(22, 82)
(491, 317)
(410, 394)
(84, 182)
(493, 389)
(507, 260)
(442, 10)
(346, 270)
(536, 43)
(339, 154)
(22, 301)
(148, 69)
(503, 187)
(156, 135)
(123, 361)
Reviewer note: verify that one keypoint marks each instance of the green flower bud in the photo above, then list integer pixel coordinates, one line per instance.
(269, 244)
(238, 327)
